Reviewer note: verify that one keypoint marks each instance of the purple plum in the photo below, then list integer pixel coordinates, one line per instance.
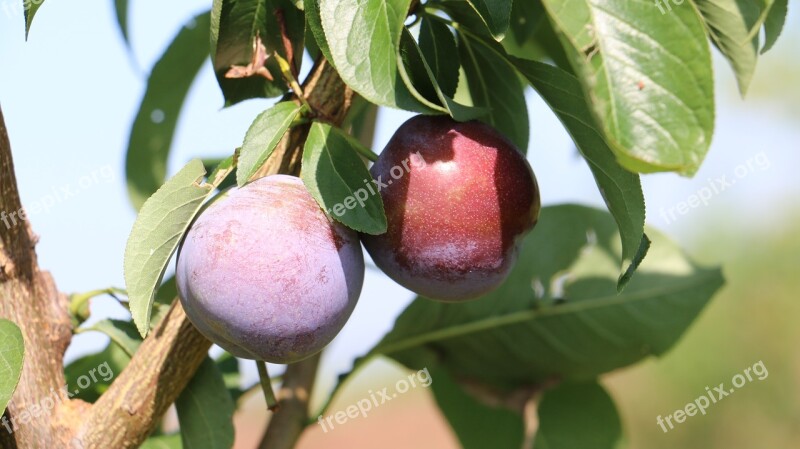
(459, 198)
(266, 275)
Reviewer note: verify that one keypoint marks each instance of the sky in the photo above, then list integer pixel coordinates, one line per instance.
(69, 96)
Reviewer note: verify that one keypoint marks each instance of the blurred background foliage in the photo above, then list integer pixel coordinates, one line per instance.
(754, 318)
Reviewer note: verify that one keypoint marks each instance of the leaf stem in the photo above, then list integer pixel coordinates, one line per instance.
(366, 152)
(428, 12)
(266, 385)
(286, 71)
(79, 302)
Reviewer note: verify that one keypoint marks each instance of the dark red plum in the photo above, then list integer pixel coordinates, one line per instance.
(266, 275)
(459, 198)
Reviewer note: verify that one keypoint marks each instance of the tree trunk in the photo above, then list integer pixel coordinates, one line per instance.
(40, 413)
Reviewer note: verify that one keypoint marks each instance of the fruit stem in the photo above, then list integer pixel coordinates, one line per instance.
(266, 385)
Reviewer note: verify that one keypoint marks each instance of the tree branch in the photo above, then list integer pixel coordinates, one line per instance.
(329, 98)
(40, 413)
(129, 411)
(162, 367)
(17, 255)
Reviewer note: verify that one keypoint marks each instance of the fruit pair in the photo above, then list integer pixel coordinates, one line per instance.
(267, 275)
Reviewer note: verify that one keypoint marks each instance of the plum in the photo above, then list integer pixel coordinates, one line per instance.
(459, 198)
(266, 275)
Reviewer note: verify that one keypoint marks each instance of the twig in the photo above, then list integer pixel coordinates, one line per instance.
(288, 423)
(266, 385)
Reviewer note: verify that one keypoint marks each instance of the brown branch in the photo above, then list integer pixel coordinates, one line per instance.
(17, 255)
(140, 395)
(129, 411)
(40, 413)
(330, 100)
(162, 367)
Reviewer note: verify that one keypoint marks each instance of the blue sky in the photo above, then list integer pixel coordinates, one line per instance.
(70, 93)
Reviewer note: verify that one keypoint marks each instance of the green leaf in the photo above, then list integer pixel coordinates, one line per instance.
(336, 177)
(153, 130)
(90, 376)
(734, 26)
(212, 164)
(205, 410)
(158, 230)
(773, 23)
(466, 17)
(578, 416)
(438, 47)
(228, 365)
(30, 9)
(121, 10)
(314, 22)
(493, 84)
(263, 136)
(648, 77)
(12, 354)
(220, 174)
(558, 315)
(237, 29)
(364, 40)
(621, 189)
(362, 120)
(729, 23)
(123, 333)
(477, 425)
(424, 82)
(533, 37)
(496, 14)
(163, 442)
(167, 292)
(526, 17)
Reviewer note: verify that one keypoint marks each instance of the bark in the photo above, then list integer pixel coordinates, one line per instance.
(17, 255)
(129, 411)
(29, 298)
(330, 99)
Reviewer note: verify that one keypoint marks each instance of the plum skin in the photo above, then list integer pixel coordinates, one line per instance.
(458, 214)
(266, 275)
